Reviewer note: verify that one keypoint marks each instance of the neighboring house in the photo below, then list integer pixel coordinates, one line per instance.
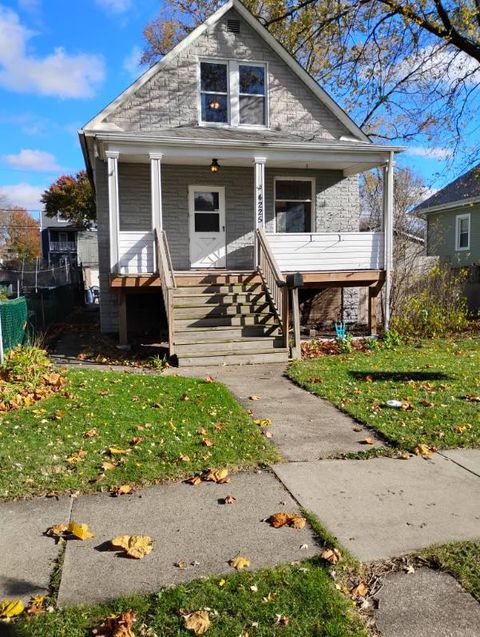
(453, 227)
(63, 242)
(221, 170)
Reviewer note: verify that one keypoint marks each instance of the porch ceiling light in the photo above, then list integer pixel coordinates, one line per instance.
(214, 166)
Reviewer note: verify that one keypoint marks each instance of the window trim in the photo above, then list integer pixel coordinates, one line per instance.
(458, 220)
(233, 95)
(313, 201)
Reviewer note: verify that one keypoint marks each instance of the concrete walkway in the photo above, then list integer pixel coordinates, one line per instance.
(378, 508)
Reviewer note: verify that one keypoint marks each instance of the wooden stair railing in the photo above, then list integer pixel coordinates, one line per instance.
(274, 281)
(167, 279)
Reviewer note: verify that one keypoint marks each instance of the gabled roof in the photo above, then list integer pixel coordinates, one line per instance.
(462, 191)
(97, 122)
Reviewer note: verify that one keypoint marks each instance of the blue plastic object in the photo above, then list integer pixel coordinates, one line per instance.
(341, 330)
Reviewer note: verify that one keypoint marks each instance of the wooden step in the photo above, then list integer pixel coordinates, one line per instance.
(219, 321)
(203, 311)
(232, 288)
(216, 278)
(269, 356)
(263, 343)
(192, 300)
(223, 333)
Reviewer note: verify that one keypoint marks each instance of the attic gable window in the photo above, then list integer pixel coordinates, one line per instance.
(233, 93)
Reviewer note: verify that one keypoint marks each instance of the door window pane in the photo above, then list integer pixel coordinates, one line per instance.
(206, 201)
(207, 222)
(293, 205)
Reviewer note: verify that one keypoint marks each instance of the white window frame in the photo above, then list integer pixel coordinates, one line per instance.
(233, 95)
(458, 220)
(313, 201)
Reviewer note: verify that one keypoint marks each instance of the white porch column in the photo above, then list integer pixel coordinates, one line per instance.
(259, 199)
(113, 208)
(388, 222)
(156, 177)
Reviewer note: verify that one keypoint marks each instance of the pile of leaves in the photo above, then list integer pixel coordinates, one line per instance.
(317, 348)
(28, 376)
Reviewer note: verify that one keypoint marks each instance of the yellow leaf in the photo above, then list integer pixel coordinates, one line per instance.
(263, 422)
(80, 531)
(195, 480)
(123, 489)
(115, 451)
(11, 608)
(108, 466)
(90, 433)
(254, 397)
(297, 522)
(423, 450)
(217, 475)
(360, 591)
(198, 622)
(56, 530)
(136, 546)
(239, 563)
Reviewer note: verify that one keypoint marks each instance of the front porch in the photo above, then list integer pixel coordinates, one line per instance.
(178, 214)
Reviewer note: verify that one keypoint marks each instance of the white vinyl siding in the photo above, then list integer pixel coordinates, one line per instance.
(136, 252)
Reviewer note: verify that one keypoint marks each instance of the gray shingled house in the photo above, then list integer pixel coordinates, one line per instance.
(220, 171)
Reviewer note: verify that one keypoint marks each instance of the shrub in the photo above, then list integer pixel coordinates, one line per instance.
(437, 308)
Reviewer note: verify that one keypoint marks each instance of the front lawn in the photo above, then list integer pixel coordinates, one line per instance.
(288, 601)
(437, 381)
(109, 428)
(460, 559)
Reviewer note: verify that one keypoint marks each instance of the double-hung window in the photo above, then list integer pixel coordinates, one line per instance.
(293, 205)
(462, 232)
(233, 93)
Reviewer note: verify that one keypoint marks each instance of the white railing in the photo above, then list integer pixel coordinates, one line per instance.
(63, 246)
(136, 252)
(167, 278)
(327, 251)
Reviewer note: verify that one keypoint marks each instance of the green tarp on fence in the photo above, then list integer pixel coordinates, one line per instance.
(13, 315)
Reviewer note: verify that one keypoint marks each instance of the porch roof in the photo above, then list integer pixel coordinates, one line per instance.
(196, 145)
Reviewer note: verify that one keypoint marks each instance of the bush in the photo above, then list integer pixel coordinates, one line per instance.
(438, 307)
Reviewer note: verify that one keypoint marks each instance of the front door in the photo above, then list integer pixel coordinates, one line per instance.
(207, 227)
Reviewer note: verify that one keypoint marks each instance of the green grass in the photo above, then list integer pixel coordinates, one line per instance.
(35, 442)
(462, 560)
(304, 593)
(440, 372)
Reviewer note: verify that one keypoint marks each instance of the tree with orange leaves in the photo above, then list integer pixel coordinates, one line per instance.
(22, 234)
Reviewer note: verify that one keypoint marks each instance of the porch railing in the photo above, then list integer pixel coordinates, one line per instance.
(167, 278)
(63, 246)
(275, 283)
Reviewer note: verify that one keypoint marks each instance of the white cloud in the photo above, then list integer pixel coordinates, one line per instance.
(58, 74)
(131, 62)
(29, 159)
(23, 195)
(441, 63)
(115, 6)
(430, 153)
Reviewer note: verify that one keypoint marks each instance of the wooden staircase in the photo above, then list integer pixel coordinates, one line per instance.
(224, 319)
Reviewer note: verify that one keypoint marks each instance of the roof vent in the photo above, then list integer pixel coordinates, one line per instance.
(233, 26)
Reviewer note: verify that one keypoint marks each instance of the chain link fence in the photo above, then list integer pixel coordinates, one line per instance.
(13, 318)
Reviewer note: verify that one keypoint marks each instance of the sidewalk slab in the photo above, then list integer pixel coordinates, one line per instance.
(27, 556)
(305, 427)
(426, 604)
(187, 524)
(467, 458)
(383, 507)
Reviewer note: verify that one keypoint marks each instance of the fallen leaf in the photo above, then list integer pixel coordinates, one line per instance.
(209, 379)
(195, 480)
(472, 398)
(76, 457)
(278, 520)
(202, 431)
(136, 546)
(117, 626)
(11, 608)
(361, 590)
(217, 475)
(423, 450)
(460, 429)
(136, 440)
(115, 451)
(90, 433)
(184, 458)
(367, 441)
(108, 466)
(229, 499)
(123, 489)
(254, 397)
(198, 622)
(219, 426)
(267, 434)
(57, 530)
(314, 379)
(239, 563)
(80, 531)
(263, 422)
(104, 392)
(282, 620)
(185, 397)
(331, 555)
(426, 403)
(207, 443)
(182, 565)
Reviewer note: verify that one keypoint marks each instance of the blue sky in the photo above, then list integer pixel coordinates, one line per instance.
(60, 63)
